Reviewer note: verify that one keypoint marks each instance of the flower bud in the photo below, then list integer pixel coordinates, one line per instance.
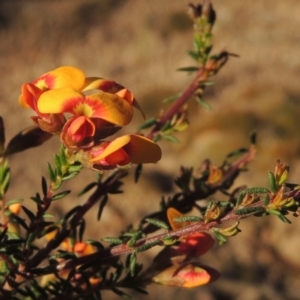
(189, 275)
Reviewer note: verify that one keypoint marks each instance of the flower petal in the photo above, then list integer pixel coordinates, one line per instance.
(129, 97)
(173, 213)
(110, 108)
(96, 83)
(142, 150)
(110, 86)
(113, 147)
(120, 158)
(190, 275)
(59, 100)
(80, 128)
(29, 96)
(61, 77)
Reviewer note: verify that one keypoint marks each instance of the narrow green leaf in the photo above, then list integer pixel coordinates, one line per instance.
(5, 182)
(171, 98)
(87, 189)
(21, 222)
(194, 55)
(29, 213)
(237, 152)
(222, 239)
(256, 190)
(170, 138)
(30, 240)
(51, 173)
(3, 233)
(112, 240)
(138, 234)
(240, 198)
(81, 230)
(147, 246)
(148, 123)
(266, 200)
(37, 199)
(166, 126)
(30, 293)
(70, 213)
(140, 290)
(65, 255)
(62, 155)
(101, 206)
(120, 293)
(272, 182)
(57, 163)
(132, 241)
(44, 186)
(14, 242)
(157, 223)
(76, 167)
(138, 172)
(188, 219)
(203, 103)
(188, 69)
(60, 195)
(69, 176)
(133, 259)
(278, 213)
(249, 210)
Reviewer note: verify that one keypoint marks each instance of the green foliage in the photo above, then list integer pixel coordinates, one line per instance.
(84, 268)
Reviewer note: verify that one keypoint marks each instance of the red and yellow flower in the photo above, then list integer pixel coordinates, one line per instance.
(190, 246)
(126, 149)
(189, 275)
(86, 110)
(173, 266)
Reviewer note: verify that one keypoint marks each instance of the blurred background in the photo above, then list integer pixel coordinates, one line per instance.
(140, 44)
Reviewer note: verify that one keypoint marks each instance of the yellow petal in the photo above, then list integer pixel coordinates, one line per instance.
(54, 101)
(142, 150)
(113, 147)
(62, 77)
(110, 107)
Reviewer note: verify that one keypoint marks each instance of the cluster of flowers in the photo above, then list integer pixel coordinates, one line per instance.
(178, 265)
(84, 111)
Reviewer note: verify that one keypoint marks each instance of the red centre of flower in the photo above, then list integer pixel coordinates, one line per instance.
(119, 157)
(80, 128)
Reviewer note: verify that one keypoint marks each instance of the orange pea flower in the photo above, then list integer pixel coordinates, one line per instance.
(173, 265)
(189, 275)
(126, 149)
(78, 248)
(83, 120)
(86, 110)
(193, 245)
(62, 91)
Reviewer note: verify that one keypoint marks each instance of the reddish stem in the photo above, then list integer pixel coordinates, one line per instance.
(189, 92)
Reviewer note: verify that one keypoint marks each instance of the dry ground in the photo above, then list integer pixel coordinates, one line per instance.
(140, 44)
